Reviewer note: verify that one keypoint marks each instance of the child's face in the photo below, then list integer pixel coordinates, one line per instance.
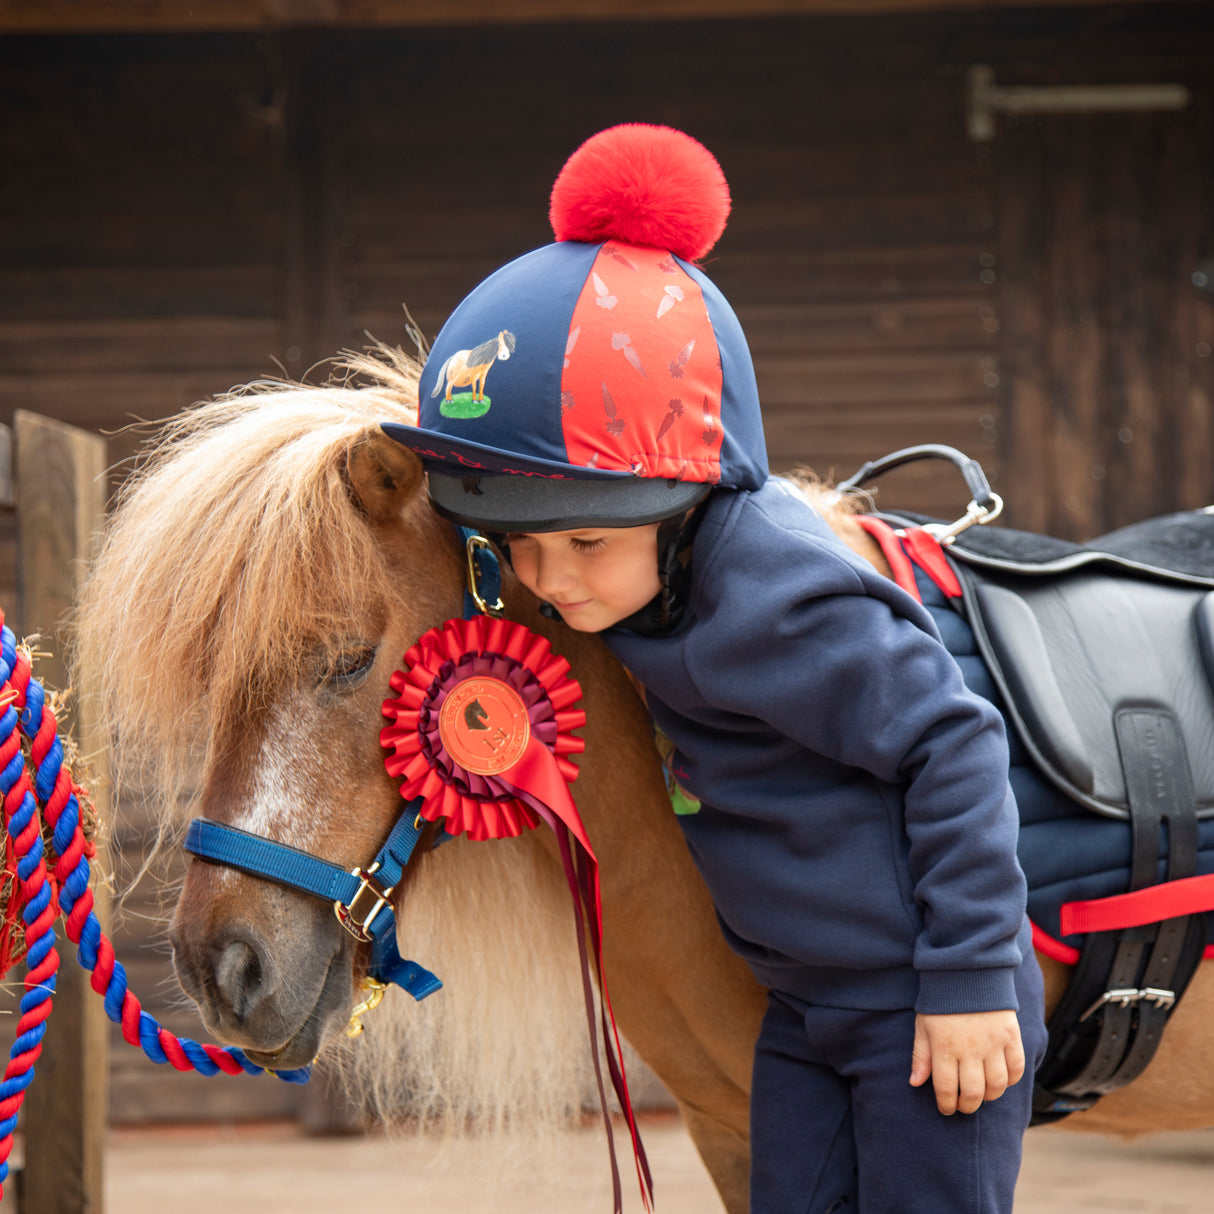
(593, 576)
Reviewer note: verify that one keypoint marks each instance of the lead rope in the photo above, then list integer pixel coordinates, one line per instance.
(45, 897)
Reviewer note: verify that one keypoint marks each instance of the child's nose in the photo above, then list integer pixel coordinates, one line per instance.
(552, 575)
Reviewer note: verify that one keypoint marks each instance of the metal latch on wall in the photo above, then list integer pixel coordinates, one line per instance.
(986, 99)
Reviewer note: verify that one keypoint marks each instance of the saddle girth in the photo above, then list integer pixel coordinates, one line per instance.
(1110, 1021)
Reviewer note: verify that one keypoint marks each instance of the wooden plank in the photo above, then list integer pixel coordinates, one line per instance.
(873, 430)
(1097, 238)
(7, 499)
(310, 248)
(807, 381)
(1189, 372)
(135, 291)
(8, 539)
(1024, 220)
(60, 504)
(64, 15)
(146, 344)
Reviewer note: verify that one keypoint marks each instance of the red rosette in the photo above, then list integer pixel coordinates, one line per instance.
(474, 703)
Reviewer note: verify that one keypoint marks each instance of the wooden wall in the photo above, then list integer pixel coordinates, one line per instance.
(180, 213)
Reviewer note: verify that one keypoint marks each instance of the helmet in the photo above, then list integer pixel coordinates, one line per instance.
(602, 380)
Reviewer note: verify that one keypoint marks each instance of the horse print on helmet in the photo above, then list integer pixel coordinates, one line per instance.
(470, 368)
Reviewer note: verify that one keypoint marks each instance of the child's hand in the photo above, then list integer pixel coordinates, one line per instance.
(970, 1058)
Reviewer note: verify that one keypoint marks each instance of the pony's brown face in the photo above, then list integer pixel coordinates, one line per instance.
(272, 969)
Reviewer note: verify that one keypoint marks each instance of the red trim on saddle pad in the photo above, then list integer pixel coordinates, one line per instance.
(1047, 946)
(1186, 896)
(926, 551)
(891, 548)
(913, 546)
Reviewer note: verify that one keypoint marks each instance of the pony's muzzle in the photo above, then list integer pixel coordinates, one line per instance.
(240, 979)
(230, 979)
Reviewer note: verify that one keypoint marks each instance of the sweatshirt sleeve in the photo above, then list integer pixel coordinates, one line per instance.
(852, 668)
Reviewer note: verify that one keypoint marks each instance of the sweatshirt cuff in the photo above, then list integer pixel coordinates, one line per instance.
(949, 992)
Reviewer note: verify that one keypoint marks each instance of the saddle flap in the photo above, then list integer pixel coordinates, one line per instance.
(1016, 638)
(1203, 624)
(1071, 651)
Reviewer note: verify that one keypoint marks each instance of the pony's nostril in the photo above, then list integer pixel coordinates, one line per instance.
(239, 977)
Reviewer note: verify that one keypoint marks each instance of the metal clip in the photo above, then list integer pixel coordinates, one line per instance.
(974, 513)
(1160, 998)
(1150, 994)
(353, 917)
(375, 993)
(475, 544)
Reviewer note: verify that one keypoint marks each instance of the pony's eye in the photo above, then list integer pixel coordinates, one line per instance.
(348, 668)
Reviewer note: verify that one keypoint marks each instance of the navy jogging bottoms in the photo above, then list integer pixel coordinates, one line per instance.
(837, 1129)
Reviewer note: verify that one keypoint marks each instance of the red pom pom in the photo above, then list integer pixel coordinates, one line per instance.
(644, 185)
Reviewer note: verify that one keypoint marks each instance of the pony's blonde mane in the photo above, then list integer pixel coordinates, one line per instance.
(503, 1046)
(234, 547)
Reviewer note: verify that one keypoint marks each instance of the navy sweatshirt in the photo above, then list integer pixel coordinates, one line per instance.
(857, 830)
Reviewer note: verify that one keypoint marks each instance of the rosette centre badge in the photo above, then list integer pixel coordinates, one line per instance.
(484, 726)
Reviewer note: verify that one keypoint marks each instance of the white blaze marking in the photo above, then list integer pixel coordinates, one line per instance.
(285, 782)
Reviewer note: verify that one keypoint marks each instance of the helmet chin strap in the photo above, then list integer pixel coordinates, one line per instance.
(664, 611)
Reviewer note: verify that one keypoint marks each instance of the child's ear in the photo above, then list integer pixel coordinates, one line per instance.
(382, 476)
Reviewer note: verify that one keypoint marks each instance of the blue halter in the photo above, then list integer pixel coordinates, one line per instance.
(362, 898)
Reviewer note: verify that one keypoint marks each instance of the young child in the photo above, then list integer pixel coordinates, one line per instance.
(856, 827)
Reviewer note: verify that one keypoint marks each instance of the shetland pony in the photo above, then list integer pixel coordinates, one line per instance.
(266, 566)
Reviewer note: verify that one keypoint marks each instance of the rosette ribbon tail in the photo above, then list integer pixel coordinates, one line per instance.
(537, 780)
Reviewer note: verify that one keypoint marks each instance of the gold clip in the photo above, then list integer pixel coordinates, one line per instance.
(498, 609)
(375, 993)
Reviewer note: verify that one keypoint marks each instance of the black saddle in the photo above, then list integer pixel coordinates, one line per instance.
(1104, 655)
(1090, 644)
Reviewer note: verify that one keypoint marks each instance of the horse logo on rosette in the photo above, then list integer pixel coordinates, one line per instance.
(469, 368)
(483, 725)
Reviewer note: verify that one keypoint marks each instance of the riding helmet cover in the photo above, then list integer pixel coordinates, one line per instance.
(602, 380)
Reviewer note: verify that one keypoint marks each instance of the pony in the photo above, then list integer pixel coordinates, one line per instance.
(266, 565)
(471, 367)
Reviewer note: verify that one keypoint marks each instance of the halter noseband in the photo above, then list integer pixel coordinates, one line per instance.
(362, 898)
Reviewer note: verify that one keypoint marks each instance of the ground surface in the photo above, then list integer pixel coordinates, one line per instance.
(259, 1168)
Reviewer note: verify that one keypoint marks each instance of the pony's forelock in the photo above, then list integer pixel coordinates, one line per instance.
(234, 548)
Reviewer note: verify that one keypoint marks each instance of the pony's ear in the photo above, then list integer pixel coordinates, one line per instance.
(382, 475)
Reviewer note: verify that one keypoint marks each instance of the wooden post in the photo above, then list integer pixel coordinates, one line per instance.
(60, 490)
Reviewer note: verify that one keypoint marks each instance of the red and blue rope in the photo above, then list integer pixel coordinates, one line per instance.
(44, 897)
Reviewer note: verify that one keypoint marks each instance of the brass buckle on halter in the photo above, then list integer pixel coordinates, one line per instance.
(474, 545)
(353, 917)
(375, 993)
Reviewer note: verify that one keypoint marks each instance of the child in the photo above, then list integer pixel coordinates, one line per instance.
(857, 831)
